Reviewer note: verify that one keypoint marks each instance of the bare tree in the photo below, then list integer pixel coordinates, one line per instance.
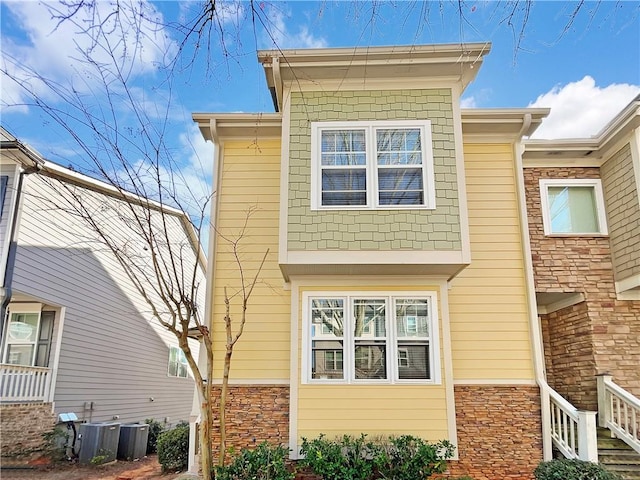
(125, 141)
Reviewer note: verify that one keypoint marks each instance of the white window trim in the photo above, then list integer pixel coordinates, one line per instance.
(428, 176)
(21, 308)
(392, 340)
(179, 351)
(595, 183)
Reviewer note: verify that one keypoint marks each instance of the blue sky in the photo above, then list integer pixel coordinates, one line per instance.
(585, 74)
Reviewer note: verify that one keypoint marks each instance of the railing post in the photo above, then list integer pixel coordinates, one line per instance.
(587, 436)
(604, 406)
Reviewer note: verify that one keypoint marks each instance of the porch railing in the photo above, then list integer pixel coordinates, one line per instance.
(19, 383)
(573, 431)
(619, 411)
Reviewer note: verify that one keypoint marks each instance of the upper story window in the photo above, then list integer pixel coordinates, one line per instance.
(573, 207)
(177, 363)
(372, 337)
(372, 165)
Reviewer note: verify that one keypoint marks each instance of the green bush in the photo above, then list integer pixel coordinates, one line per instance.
(395, 458)
(573, 470)
(266, 462)
(348, 458)
(173, 448)
(409, 458)
(155, 429)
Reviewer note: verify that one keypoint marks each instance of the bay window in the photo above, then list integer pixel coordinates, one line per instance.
(371, 337)
(364, 165)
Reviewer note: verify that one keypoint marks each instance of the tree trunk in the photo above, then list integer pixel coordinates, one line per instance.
(223, 407)
(206, 458)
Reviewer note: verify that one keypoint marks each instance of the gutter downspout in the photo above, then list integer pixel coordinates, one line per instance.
(13, 246)
(534, 320)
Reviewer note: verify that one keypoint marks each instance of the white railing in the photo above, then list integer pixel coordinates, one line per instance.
(619, 411)
(573, 431)
(24, 384)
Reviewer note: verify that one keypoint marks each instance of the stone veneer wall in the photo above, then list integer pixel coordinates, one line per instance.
(22, 426)
(603, 334)
(499, 432)
(255, 413)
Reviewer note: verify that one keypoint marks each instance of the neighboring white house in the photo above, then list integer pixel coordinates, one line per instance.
(77, 336)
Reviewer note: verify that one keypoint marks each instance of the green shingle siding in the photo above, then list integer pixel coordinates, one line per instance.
(437, 229)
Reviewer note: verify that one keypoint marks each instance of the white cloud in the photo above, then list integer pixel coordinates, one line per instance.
(280, 36)
(469, 102)
(581, 109)
(54, 50)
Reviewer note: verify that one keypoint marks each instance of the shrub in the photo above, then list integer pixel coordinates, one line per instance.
(173, 448)
(347, 458)
(266, 462)
(155, 429)
(55, 444)
(409, 458)
(573, 470)
(395, 458)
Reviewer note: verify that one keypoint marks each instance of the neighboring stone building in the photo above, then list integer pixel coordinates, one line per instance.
(584, 223)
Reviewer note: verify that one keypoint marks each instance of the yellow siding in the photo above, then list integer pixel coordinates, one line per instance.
(419, 410)
(487, 302)
(250, 180)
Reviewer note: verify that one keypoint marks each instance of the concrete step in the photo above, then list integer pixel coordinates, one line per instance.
(616, 456)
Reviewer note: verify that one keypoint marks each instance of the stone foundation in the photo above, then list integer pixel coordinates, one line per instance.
(499, 432)
(255, 414)
(499, 427)
(22, 426)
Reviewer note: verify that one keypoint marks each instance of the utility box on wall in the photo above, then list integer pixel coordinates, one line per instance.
(98, 441)
(133, 441)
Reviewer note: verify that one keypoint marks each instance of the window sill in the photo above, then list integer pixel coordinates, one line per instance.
(576, 235)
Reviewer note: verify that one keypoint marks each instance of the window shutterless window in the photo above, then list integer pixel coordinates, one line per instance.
(28, 340)
(367, 165)
(371, 337)
(177, 363)
(572, 207)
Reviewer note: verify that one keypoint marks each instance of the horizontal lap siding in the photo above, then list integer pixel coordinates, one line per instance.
(113, 353)
(488, 304)
(250, 180)
(373, 409)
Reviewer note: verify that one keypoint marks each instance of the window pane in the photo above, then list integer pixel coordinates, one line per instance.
(343, 180)
(327, 359)
(343, 147)
(412, 318)
(413, 361)
(370, 360)
(405, 143)
(23, 327)
(20, 354)
(400, 186)
(327, 315)
(573, 209)
(369, 318)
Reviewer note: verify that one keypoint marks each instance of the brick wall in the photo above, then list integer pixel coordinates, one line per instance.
(499, 432)
(22, 426)
(602, 335)
(255, 414)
